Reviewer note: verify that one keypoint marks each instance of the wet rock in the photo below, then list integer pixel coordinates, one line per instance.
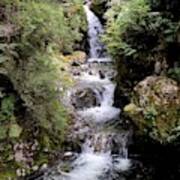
(155, 108)
(24, 153)
(102, 76)
(84, 98)
(75, 63)
(99, 7)
(68, 154)
(44, 166)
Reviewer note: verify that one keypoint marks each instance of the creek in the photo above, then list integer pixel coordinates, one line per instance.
(104, 153)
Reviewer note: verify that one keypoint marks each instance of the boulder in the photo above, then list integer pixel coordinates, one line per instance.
(155, 108)
(84, 98)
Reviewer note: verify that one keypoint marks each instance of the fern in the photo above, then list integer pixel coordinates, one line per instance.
(120, 18)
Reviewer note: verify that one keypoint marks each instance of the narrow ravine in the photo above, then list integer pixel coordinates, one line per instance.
(104, 152)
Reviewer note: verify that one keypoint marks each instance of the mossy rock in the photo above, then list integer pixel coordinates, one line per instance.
(155, 108)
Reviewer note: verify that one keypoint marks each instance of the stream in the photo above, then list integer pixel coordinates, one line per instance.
(104, 153)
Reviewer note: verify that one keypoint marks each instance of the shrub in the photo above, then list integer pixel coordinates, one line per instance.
(7, 108)
(174, 73)
(122, 18)
(41, 30)
(44, 25)
(133, 32)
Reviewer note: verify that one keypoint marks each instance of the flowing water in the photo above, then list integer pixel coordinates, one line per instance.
(104, 154)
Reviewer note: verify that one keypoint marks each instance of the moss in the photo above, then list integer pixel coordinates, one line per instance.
(131, 108)
(15, 130)
(7, 175)
(158, 102)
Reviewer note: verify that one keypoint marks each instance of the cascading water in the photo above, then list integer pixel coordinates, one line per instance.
(95, 29)
(98, 160)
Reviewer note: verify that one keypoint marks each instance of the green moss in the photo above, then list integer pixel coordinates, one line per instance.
(174, 73)
(155, 108)
(8, 175)
(14, 130)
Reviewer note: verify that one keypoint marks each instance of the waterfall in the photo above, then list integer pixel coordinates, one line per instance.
(98, 161)
(95, 30)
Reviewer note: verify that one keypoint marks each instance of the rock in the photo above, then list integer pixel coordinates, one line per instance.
(132, 108)
(75, 63)
(24, 153)
(102, 76)
(44, 166)
(84, 98)
(99, 7)
(68, 154)
(21, 172)
(18, 172)
(155, 108)
(77, 58)
(35, 168)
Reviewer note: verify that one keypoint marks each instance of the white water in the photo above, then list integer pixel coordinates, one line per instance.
(90, 166)
(96, 161)
(100, 60)
(95, 30)
(106, 111)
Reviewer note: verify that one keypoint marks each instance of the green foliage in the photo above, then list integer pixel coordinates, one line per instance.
(44, 25)
(3, 132)
(166, 5)
(120, 19)
(7, 50)
(42, 29)
(99, 7)
(36, 32)
(150, 115)
(7, 108)
(174, 73)
(14, 130)
(33, 34)
(37, 86)
(8, 125)
(136, 33)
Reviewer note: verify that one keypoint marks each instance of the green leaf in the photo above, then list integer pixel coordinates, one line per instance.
(14, 131)
(3, 132)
